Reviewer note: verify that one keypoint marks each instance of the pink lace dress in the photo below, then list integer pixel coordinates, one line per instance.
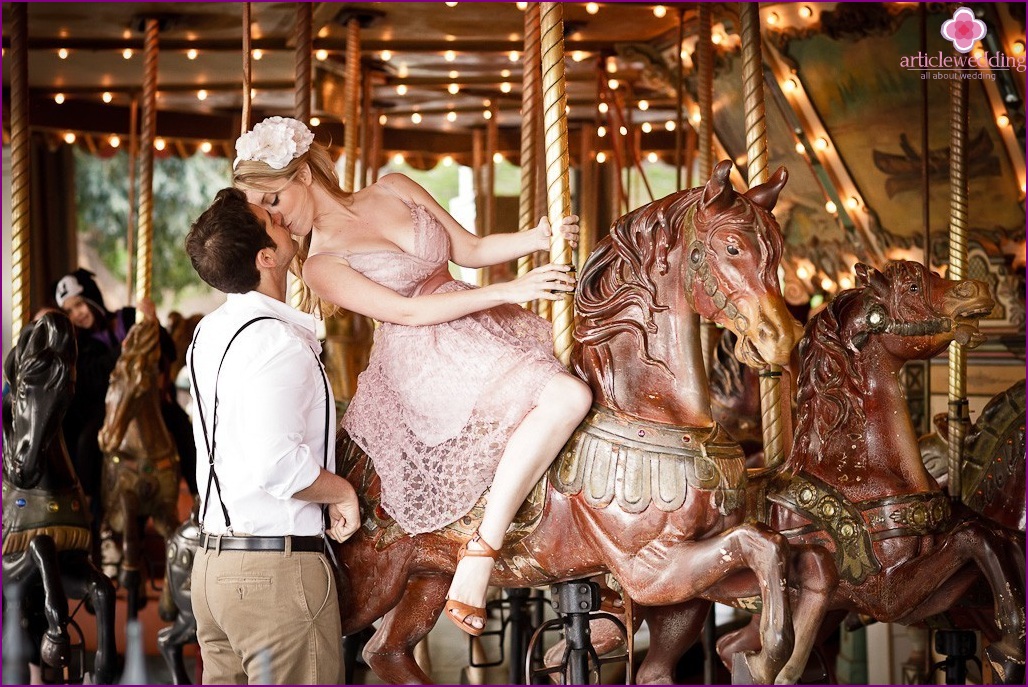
(437, 403)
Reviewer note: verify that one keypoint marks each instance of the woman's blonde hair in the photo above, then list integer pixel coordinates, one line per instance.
(251, 175)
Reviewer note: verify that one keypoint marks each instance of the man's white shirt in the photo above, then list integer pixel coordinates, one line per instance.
(271, 416)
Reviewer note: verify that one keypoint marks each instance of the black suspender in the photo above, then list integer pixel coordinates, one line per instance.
(211, 443)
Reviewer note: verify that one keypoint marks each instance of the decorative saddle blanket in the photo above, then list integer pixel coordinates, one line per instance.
(638, 463)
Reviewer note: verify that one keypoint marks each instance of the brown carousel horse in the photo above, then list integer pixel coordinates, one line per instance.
(46, 533)
(855, 484)
(648, 489)
(141, 464)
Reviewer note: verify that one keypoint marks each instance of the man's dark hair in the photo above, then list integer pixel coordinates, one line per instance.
(224, 241)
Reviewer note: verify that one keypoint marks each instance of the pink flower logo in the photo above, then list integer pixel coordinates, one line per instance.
(963, 29)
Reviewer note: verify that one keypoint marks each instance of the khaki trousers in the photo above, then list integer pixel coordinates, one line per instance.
(267, 618)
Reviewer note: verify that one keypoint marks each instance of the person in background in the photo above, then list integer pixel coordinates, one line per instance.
(263, 589)
(99, 335)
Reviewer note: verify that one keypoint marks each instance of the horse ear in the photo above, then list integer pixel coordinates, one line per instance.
(862, 277)
(869, 276)
(766, 195)
(718, 193)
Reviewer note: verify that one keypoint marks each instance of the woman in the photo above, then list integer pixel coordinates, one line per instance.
(462, 391)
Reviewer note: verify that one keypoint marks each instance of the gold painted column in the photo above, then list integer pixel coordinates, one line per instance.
(958, 412)
(144, 232)
(558, 190)
(531, 99)
(20, 172)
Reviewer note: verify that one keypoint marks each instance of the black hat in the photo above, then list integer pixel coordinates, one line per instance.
(80, 283)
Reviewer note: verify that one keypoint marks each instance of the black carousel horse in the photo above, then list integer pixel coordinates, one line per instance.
(46, 535)
(180, 549)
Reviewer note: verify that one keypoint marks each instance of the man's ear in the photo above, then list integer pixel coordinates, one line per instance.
(265, 259)
(303, 175)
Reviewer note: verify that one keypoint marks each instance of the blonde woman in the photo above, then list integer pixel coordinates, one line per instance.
(462, 392)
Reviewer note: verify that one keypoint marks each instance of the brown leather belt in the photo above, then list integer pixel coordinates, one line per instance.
(279, 544)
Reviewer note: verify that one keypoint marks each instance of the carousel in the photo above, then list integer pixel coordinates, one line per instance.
(799, 309)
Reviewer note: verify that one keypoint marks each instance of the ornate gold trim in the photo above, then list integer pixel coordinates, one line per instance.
(612, 457)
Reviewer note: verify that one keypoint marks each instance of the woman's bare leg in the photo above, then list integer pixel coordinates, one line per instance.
(563, 403)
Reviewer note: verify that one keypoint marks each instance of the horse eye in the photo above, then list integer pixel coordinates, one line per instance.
(915, 288)
(732, 249)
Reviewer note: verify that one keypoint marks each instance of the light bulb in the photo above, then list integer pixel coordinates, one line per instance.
(601, 157)
(451, 116)
(114, 141)
(321, 55)
(447, 160)
(206, 147)
(644, 105)
(398, 159)
(69, 138)
(592, 7)
(127, 53)
(258, 54)
(652, 157)
(201, 94)
(453, 89)
(401, 89)
(659, 11)
(192, 53)
(416, 118)
(505, 87)
(385, 55)
(449, 56)
(59, 98)
(646, 127)
(603, 107)
(63, 53)
(669, 125)
(831, 207)
(107, 97)
(315, 121)
(601, 131)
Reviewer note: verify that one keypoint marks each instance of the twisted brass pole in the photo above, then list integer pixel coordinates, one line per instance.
(558, 190)
(775, 422)
(247, 69)
(351, 104)
(705, 72)
(20, 179)
(531, 95)
(958, 413)
(144, 232)
(303, 62)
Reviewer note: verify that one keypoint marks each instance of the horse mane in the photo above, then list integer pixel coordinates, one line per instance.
(725, 376)
(140, 347)
(829, 393)
(45, 353)
(617, 280)
(617, 292)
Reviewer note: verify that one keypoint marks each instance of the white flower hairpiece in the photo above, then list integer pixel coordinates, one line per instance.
(276, 141)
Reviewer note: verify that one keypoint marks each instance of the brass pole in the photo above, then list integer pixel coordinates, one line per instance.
(367, 92)
(705, 72)
(776, 424)
(531, 96)
(130, 223)
(144, 233)
(20, 170)
(679, 101)
(558, 190)
(303, 62)
(376, 148)
(958, 413)
(492, 145)
(351, 104)
(247, 68)
(926, 415)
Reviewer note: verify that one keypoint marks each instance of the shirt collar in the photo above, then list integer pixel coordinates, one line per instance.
(257, 301)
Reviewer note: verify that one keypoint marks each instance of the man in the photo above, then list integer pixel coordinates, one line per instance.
(264, 593)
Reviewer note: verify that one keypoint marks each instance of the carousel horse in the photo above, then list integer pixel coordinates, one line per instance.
(46, 535)
(855, 485)
(648, 488)
(180, 550)
(141, 465)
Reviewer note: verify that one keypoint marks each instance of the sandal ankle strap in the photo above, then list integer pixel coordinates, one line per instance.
(485, 552)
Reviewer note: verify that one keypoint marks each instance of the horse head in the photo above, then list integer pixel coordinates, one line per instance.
(917, 312)
(707, 251)
(904, 312)
(134, 378)
(41, 372)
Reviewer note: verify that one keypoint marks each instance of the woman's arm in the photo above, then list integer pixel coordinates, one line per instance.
(469, 250)
(333, 280)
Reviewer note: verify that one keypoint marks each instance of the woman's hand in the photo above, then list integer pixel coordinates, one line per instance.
(549, 282)
(568, 228)
(146, 306)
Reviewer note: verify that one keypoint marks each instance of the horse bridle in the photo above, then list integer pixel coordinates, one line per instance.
(879, 322)
(698, 267)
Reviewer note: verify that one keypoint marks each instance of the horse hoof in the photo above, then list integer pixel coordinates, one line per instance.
(1009, 670)
(55, 649)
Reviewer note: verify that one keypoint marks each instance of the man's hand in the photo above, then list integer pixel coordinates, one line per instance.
(344, 518)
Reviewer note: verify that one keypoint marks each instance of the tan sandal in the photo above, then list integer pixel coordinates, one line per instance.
(461, 613)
